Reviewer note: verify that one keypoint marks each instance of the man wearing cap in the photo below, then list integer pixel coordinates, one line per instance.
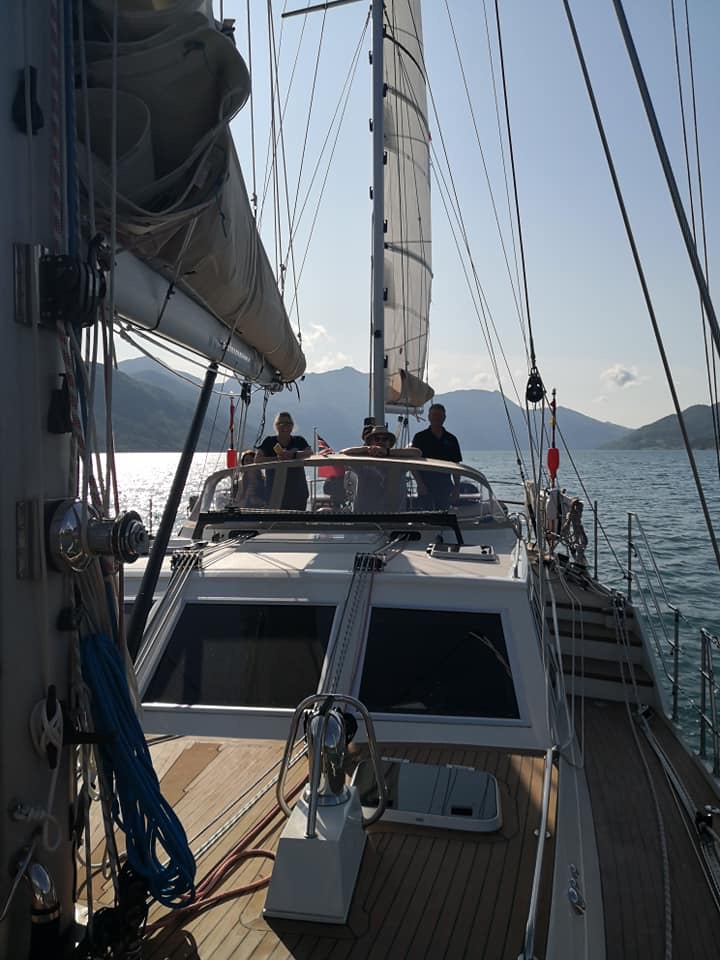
(379, 442)
(379, 490)
(436, 443)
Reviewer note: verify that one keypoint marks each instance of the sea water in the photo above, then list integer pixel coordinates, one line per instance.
(655, 486)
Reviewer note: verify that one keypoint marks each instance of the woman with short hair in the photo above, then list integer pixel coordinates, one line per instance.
(285, 446)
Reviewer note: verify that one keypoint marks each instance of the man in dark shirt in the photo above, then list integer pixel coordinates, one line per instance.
(436, 489)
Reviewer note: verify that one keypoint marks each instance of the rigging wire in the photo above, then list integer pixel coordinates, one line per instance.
(668, 171)
(480, 314)
(261, 425)
(342, 99)
(274, 142)
(253, 198)
(347, 91)
(501, 144)
(208, 449)
(642, 279)
(307, 124)
(448, 183)
(709, 352)
(108, 317)
(484, 316)
(452, 201)
(281, 140)
(712, 381)
(487, 175)
(531, 342)
(538, 430)
(269, 150)
(125, 335)
(511, 152)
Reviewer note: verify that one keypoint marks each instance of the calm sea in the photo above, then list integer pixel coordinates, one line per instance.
(656, 485)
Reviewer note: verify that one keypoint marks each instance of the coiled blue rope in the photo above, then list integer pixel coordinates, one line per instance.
(150, 825)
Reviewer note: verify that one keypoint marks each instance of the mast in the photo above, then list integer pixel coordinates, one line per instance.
(33, 647)
(378, 223)
(52, 282)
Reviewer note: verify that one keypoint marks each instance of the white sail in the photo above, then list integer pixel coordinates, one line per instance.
(182, 203)
(408, 263)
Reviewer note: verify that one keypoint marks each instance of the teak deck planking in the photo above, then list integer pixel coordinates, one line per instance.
(629, 839)
(421, 892)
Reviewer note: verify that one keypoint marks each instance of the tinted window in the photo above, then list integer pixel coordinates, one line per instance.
(256, 655)
(437, 662)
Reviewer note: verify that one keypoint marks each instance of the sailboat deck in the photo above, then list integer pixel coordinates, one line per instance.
(421, 892)
(629, 840)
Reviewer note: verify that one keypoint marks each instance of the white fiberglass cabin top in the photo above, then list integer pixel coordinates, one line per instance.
(423, 615)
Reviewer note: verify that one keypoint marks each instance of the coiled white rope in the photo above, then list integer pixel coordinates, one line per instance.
(46, 732)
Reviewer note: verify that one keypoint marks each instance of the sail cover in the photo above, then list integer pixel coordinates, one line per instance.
(182, 205)
(408, 264)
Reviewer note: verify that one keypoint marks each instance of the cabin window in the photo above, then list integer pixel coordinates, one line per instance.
(249, 655)
(439, 663)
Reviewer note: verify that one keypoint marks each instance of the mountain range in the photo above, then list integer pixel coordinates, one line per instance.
(153, 407)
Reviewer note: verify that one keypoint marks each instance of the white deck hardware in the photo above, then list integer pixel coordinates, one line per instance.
(314, 877)
(320, 850)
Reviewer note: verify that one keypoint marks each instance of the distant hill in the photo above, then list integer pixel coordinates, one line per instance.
(665, 433)
(150, 416)
(479, 420)
(153, 408)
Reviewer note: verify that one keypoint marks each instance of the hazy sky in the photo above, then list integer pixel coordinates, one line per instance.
(592, 333)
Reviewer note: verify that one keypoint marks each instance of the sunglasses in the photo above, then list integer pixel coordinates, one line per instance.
(284, 423)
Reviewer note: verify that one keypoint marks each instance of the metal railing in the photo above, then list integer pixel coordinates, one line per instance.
(708, 698)
(529, 943)
(652, 597)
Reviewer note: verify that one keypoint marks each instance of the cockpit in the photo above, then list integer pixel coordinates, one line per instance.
(347, 486)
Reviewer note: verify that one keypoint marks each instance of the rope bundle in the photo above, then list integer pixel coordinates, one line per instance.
(139, 809)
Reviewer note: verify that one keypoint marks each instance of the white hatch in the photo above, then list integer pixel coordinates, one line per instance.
(450, 797)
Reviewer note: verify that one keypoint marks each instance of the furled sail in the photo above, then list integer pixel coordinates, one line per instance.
(408, 264)
(182, 205)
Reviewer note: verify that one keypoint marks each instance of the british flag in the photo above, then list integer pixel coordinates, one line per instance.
(325, 450)
(323, 447)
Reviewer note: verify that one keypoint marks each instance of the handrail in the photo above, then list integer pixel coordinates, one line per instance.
(707, 710)
(653, 561)
(529, 946)
(707, 680)
(310, 831)
(284, 765)
(656, 604)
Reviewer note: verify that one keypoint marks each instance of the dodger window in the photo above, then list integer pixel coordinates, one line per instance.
(249, 655)
(438, 662)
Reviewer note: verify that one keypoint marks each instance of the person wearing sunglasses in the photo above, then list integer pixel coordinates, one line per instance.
(379, 442)
(379, 490)
(285, 446)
